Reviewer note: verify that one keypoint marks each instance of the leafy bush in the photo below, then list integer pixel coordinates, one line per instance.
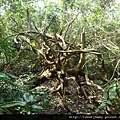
(110, 101)
(15, 99)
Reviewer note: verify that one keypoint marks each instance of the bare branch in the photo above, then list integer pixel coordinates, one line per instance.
(68, 26)
(46, 29)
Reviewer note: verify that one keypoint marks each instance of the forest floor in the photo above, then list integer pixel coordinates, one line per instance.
(82, 95)
(79, 97)
(75, 101)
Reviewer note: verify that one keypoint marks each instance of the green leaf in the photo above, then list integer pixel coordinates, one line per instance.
(28, 97)
(12, 104)
(48, 95)
(46, 102)
(33, 43)
(112, 86)
(17, 97)
(103, 105)
(44, 89)
(112, 94)
(12, 83)
(105, 95)
(3, 76)
(42, 93)
(96, 110)
(12, 76)
(31, 98)
(37, 107)
(7, 79)
(112, 89)
(109, 103)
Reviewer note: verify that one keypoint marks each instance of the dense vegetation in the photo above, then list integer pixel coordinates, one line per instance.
(49, 48)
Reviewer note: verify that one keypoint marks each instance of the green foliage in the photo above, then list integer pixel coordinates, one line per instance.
(44, 96)
(110, 97)
(15, 99)
(5, 78)
(19, 102)
(101, 20)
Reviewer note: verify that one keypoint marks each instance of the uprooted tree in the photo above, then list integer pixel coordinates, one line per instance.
(55, 53)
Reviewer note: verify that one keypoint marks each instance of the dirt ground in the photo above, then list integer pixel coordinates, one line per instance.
(75, 100)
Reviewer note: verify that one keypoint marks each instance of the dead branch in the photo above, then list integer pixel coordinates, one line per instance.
(68, 26)
(46, 29)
